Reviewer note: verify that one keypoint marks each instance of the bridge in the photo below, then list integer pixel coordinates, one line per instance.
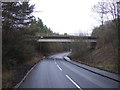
(66, 39)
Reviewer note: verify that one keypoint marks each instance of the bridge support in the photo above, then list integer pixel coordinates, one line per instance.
(93, 45)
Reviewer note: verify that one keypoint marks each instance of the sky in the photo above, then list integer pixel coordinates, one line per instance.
(67, 16)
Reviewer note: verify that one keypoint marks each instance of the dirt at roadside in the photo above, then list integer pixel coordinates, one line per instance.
(13, 77)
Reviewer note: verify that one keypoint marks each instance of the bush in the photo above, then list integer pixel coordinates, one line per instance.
(79, 49)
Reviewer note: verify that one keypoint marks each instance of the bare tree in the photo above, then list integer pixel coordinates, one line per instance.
(100, 8)
(112, 8)
(107, 9)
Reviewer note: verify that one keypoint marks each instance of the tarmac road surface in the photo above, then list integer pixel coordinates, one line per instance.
(55, 72)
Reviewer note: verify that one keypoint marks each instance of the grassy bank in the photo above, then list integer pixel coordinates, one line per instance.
(105, 54)
(105, 58)
(100, 58)
(12, 77)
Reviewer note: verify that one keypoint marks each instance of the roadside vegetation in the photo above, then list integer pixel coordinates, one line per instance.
(19, 50)
(105, 54)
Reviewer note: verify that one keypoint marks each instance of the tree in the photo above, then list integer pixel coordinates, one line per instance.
(43, 29)
(16, 17)
(100, 8)
(40, 24)
(112, 8)
(106, 9)
(65, 34)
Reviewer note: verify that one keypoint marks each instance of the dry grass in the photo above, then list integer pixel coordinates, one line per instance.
(34, 60)
(104, 58)
(12, 77)
(7, 76)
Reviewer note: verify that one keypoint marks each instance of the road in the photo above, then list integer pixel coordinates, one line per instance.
(55, 72)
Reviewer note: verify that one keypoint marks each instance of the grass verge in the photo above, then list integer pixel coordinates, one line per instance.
(12, 77)
(104, 58)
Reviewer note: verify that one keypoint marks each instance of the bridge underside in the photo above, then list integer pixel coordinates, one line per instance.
(65, 40)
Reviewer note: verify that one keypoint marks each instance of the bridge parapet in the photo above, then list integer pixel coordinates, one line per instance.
(66, 38)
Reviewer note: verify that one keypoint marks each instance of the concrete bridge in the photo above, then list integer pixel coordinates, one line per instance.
(66, 39)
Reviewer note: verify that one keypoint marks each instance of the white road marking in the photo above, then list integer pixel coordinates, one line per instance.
(55, 62)
(73, 82)
(59, 67)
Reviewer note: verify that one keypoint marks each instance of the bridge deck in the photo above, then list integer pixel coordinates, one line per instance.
(65, 38)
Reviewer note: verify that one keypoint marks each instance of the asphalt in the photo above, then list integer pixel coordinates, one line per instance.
(113, 76)
(55, 72)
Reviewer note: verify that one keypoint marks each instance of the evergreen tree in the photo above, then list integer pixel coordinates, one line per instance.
(16, 17)
(16, 14)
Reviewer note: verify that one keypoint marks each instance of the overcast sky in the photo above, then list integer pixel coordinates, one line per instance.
(67, 16)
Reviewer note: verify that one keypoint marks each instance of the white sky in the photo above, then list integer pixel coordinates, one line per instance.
(67, 16)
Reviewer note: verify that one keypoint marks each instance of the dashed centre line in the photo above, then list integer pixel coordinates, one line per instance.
(69, 77)
(55, 62)
(73, 82)
(59, 67)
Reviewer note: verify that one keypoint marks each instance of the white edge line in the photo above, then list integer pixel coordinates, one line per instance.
(59, 67)
(25, 76)
(73, 82)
